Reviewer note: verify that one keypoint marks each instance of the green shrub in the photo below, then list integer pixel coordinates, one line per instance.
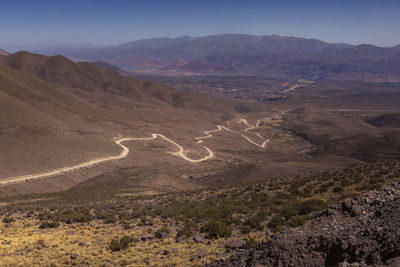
(121, 244)
(47, 224)
(337, 189)
(8, 219)
(245, 230)
(216, 229)
(376, 180)
(186, 230)
(323, 188)
(251, 242)
(110, 218)
(308, 206)
(288, 212)
(345, 182)
(160, 231)
(255, 221)
(276, 222)
(297, 221)
(74, 216)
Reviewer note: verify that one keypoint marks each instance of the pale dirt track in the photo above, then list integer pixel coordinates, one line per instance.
(125, 152)
(250, 127)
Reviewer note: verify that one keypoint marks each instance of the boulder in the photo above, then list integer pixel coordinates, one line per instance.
(236, 244)
(199, 239)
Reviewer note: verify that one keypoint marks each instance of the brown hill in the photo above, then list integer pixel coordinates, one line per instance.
(3, 53)
(58, 113)
(43, 126)
(106, 87)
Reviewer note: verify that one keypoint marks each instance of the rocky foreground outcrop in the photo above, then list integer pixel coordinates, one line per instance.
(364, 231)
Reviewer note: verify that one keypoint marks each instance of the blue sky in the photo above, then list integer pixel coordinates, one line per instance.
(100, 22)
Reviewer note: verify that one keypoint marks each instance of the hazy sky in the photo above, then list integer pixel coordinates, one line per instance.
(100, 22)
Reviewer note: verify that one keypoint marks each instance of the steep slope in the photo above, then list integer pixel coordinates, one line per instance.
(363, 231)
(44, 127)
(3, 53)
(107, 87)
(59, 114)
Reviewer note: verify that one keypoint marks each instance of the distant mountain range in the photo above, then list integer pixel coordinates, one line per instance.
(234, 54)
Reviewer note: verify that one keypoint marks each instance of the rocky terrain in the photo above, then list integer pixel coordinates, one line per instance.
(363, 231)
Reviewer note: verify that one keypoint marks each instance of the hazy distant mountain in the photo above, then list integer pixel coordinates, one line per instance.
(271, 56)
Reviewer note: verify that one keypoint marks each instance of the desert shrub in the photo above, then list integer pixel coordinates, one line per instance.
(74, 216)
(376, 180)
(245, 230)
(41, 243)
(308, 206)
(281, 195)
(276, 222)
(337, 189)
(186, 230)
(307, 191)
(323, 188)
(146, 221)
(216, 229)
(47, 224)
(8, 219)
(255, 221)
(114, 245)
(162, 230)
(345, 182)
(121, 244)
(251, 242)
(110, 217)
(297, 221)
(288, 211)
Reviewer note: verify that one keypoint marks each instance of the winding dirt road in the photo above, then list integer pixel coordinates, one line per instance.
(125, 152)
(250, 127)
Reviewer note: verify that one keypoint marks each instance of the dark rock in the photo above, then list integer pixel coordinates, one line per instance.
(355, 212)
(347, 205)
(331, 211)
(202, 254)
(372, 239)
(199, 239)
(74, 256)
(378, 213)
(164, 236)
(199, 255)
(146, 238)
(163, 252)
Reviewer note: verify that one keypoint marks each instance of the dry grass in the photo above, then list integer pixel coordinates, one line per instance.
(24, 244)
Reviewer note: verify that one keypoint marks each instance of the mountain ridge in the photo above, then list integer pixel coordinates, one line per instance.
(249, 55)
